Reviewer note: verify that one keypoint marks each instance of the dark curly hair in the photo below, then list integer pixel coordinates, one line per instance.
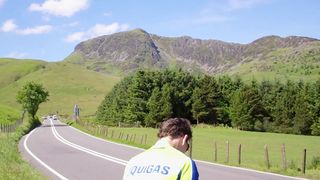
(175, 127)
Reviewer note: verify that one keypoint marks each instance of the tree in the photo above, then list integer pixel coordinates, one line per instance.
(246, 109)
(205, 100)
(31, 96)
(199, 110)
(159, 106)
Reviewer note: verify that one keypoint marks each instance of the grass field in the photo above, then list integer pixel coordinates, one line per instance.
(11, 164)
(252, 147)
(8, 115)
(67, 85)
(12, 70)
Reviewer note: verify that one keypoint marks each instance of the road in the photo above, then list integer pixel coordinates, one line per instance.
(63, 152)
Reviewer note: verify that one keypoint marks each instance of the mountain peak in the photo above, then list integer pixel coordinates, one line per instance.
(139, 30)
(137, 49)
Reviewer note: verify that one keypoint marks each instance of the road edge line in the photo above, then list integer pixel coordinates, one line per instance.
(251, 170)
(86, 150)
(207, 162)
(38, 159)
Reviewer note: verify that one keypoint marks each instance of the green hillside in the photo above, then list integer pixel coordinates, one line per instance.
(294, 63)
(67, 84)
(12, 70)
(8, 114)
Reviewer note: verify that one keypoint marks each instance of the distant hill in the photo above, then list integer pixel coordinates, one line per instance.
(12, 70)
(126, 52)
(67, 84)
(96, 65)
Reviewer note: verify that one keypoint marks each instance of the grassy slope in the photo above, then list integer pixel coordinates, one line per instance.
(300, 63)
(252, 147)
(67, 84)
(12, 70)
(11, 164)
(8, 115)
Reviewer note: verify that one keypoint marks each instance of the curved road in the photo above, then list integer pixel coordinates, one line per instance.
(63, 152)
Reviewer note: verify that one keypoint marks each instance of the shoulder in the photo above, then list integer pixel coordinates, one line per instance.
(189, 171)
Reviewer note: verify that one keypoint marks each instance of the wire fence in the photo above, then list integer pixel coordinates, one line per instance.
(9, 128)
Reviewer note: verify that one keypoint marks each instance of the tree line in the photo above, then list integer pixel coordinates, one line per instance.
(149, 97)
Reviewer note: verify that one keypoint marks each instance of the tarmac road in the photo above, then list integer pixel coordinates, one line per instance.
(63, 152)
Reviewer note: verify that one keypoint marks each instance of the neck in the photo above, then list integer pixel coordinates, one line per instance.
(174, 142)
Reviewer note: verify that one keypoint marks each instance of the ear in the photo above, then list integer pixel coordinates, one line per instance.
(185, 139)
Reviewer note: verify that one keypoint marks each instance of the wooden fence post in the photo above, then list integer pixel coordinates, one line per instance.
(134, 138)
(145, 139)
(112, 132)
(284, 159)
(215, 152)
(141, 139)
(227, 157)
(106, 132)
(239, 155)
(304, 162)
(267, 156)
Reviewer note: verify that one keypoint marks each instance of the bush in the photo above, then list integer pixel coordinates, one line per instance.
(315, 163)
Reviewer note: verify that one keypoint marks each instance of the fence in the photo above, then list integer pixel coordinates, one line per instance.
(284, 162)
(104, 131)
(9, 128)
(227, 152)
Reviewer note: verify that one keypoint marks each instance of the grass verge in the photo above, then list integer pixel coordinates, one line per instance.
(252, 143)
(12, 166)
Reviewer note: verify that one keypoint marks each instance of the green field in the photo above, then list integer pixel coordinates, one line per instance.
(12, 166)
(67, 84)
(8, 115)
(252, 147)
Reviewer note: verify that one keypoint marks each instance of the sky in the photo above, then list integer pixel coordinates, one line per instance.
(50, 29)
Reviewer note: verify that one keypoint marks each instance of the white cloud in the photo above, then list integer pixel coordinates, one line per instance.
(17, 55)
(65, 8)
(8, 26)
(35, 30)
(97, 30)
(102, 29)
(75, 37)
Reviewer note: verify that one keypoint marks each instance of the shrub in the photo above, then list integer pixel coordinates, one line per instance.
(315, 163)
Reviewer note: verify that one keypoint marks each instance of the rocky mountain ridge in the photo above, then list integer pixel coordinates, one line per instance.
(137, 49)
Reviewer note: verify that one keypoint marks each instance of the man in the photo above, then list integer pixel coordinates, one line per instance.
(165, 159)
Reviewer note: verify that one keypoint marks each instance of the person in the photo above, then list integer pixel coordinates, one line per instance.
(165, 159)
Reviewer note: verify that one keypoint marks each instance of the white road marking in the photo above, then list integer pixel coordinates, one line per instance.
(250, 170)
(89, 151)
(205, 162)
(114, 159)
(41, 162)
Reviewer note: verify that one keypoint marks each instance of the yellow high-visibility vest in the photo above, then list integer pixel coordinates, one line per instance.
(161, 161)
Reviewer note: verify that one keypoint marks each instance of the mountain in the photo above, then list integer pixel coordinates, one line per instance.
(125, 52)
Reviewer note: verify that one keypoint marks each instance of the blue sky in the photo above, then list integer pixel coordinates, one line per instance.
(50, 29)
